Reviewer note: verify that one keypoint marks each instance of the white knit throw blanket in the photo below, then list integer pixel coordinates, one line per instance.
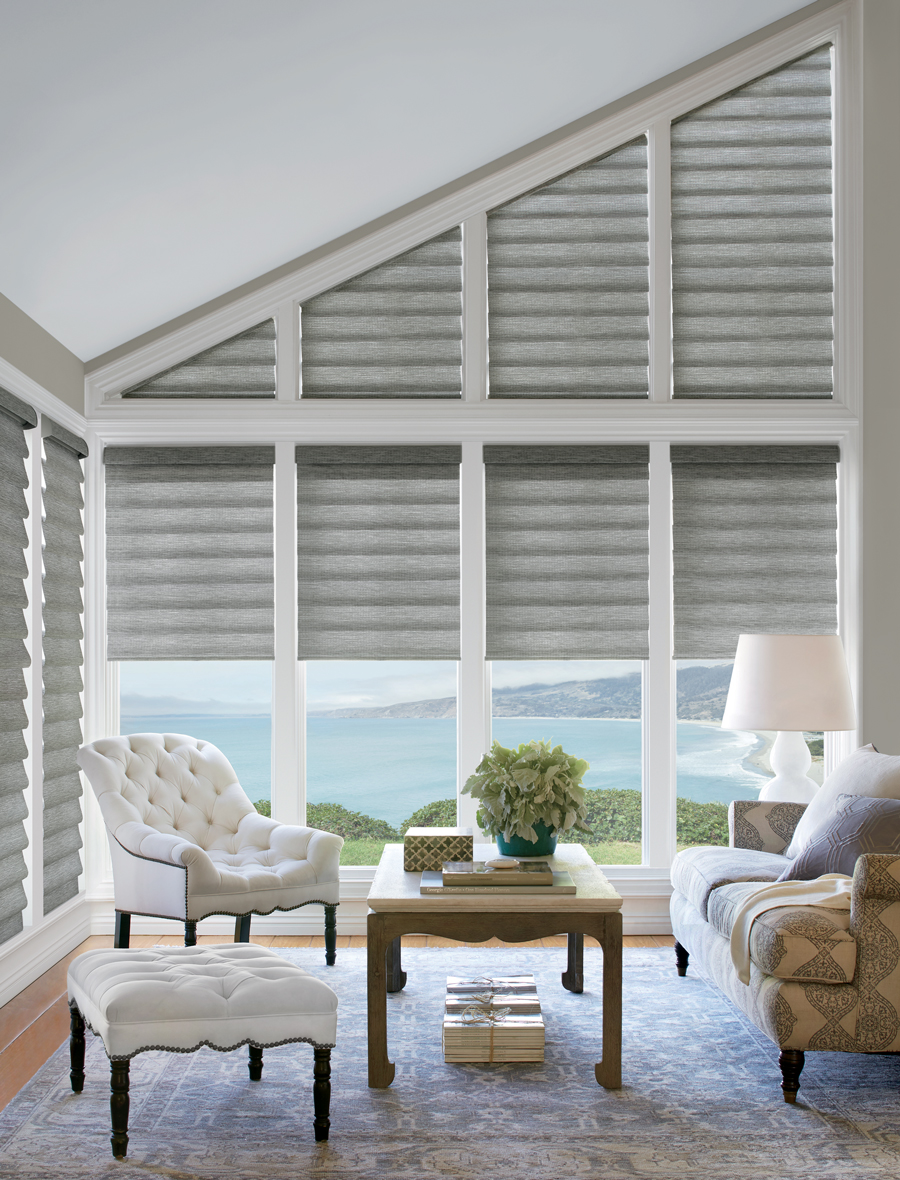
(832, 891)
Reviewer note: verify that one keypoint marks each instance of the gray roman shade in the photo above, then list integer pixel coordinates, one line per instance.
(242, 366)
(378, 552)
(15, 418)
(63, 659)
(567, 552)
(189, 553)
(568, 281)
(395, 331)
(752, 239)
(755, 544)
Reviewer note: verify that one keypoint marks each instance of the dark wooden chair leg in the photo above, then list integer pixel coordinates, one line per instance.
(330, 935)
(118, 1108)
(322, 1093)
(791, 1062)
(681, 959)
(190, 933)
(396, 976)
(76, 1049)
(256, 1063)
(123, 930)
(242, 928)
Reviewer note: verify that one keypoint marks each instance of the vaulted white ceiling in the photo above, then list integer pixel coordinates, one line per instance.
(157, 153)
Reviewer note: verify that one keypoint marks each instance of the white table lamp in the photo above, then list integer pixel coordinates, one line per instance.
(789, 683)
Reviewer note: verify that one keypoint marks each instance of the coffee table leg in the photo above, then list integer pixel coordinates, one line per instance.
(573, 976)
(396, 976)
(381, 1071)
(608, 1072)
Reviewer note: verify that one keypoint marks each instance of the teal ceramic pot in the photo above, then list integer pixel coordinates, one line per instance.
(545, 845)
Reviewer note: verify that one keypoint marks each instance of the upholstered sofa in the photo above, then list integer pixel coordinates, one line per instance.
(820, 979)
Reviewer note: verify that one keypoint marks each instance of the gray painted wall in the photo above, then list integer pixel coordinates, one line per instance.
(40, 356)
(880, 703)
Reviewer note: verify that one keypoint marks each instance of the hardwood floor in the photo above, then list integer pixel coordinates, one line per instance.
(35, 1023)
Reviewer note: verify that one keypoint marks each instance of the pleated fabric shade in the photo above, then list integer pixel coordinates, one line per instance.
(63, 659)
(189, 553)
(378, 552)
(568, 283)
(753, 239)
(755, 544)
(395, 331)
(15, 418)
(567, 552)
(242, 366)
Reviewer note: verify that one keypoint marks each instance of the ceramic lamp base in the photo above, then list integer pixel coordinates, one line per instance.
(545, 845)
(790, 759)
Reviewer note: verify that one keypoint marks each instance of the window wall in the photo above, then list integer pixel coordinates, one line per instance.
(680, 209)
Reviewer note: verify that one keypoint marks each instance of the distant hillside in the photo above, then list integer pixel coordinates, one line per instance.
(701, 697)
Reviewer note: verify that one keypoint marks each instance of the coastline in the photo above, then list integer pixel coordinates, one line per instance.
(757, 760)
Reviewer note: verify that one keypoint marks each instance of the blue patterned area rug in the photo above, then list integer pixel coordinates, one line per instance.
(701, 1095)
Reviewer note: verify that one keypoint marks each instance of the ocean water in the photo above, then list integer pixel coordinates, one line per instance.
(387, 767)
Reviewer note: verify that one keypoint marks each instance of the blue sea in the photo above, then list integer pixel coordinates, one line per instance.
(387, 767)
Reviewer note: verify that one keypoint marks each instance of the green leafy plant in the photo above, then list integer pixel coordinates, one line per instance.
(533, 783)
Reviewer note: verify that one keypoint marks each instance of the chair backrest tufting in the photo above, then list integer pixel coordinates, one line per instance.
(168, 781)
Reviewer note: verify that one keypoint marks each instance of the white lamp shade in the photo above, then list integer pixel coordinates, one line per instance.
(789, 682)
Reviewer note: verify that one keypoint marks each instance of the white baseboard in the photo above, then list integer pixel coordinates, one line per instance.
(27, 956)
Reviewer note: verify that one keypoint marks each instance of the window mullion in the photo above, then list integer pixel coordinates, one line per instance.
(660, 194)
(659, 676)
(288, 706)
(287, 352)
(473, 700)
(33, 914)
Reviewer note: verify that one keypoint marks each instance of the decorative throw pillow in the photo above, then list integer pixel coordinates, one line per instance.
(858, 824)
(865, 772)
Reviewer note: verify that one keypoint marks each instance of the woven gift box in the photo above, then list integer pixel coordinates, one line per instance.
(426, 849)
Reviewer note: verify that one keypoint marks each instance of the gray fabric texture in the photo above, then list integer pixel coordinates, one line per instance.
(755, 544)
(14, 659)
(63, 659)
(567, 552)
(242, 366)
(395, 331)
(697, 871)
(753, 239)
(859, 824)
(189, 553)
(568, 283)
(378, 553)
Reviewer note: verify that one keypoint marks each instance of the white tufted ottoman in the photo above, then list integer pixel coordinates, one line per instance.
(179, 998)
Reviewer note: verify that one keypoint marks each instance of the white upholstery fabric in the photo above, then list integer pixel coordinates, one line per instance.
(171, 800)
(179, 998)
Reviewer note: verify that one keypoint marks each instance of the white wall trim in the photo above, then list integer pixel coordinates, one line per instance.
(34, 951)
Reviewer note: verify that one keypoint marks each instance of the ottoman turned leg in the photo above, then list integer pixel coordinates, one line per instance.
(118, 1108)
(322, 1093)
(242, 928)
(330, 935)
(123, 930)
(256, 1063)
(76, 1049)
(190, 933)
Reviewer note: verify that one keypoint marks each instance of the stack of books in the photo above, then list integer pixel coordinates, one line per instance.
(496, 876)
(493, 1020)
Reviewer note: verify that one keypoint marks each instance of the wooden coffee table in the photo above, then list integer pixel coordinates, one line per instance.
(396, 907)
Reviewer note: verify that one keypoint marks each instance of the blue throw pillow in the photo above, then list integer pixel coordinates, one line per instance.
(858, 824)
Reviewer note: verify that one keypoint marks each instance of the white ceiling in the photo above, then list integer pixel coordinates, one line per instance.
(157, 153)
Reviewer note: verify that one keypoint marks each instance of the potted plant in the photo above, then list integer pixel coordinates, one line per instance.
(528, 796)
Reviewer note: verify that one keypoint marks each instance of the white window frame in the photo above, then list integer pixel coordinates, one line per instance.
(475, 421)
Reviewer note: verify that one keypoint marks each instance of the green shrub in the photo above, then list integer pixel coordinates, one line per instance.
(816, 747)
(613, 816)
(264, 807)
(441, 814)
(352, 825)
(701, 823)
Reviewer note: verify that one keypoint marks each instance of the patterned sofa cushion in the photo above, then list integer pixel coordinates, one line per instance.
(805, 943)
(696, 872)
(857, 825)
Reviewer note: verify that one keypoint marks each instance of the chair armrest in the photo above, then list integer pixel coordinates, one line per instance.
(761, 825)
(321, 849)
(875, 924)
(142, 840)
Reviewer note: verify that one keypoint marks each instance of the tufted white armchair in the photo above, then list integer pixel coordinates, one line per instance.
(186, 842)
